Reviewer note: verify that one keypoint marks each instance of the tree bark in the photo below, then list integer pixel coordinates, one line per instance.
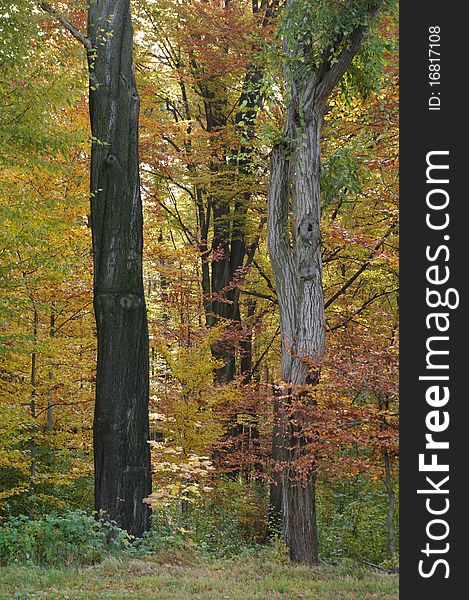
(298, 277)
(294, 241)
(391, 506)
(275, 492)
(121, 428)
(229, 224)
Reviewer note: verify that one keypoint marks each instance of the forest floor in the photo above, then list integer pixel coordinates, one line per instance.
(181, 579)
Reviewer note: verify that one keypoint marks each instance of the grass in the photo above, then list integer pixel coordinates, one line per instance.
(186, 577)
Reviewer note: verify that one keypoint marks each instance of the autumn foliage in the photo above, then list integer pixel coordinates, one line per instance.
(211, 108)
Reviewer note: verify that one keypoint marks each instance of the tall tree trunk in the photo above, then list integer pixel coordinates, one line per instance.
(121, 428)
(294, 215)
(229, 224)
(50, 395)
(275, 492)
(298, 276)
(391, 506)
(32, 443)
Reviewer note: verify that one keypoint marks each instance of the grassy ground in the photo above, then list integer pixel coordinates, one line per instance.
(170, 578)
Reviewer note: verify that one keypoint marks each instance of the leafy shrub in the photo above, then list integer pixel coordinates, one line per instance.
(352, 522)
(207, 530)
(247, 504)
(72, 538)
(231, 522)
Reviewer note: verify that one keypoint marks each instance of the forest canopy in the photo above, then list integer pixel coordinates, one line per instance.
(199, 270)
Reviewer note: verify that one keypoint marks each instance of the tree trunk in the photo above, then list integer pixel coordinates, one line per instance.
(32, 442)
(121, 428)
(294, 214)
(298, 275)
(391, 506)
(50, 395)
(229, 224)
(275, 492)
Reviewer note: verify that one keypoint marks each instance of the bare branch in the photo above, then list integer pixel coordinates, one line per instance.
(363, 267)
(77, 34)
(262, 356)
(259, 295)
(265, 277)
(361, 309)
(75, 314)
(177, 217)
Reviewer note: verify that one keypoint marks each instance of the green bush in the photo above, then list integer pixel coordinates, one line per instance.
(208, 530)
(352, 522)
(71, 538)
(231, 522)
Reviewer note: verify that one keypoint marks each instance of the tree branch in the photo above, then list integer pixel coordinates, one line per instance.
(77, 34)
(265, 277)
(334, 74)
(62, 404)
(259, 295)
(361, 309)
(177, 217)
(359, 271)
(261, 358)
(75, 314)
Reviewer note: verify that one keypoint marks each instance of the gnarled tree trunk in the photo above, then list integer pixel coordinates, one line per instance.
(294, 216)
(298, 275)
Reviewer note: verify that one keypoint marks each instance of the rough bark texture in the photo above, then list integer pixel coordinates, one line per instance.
(391, 507)
(294, 216)
(298, 276)
(121, 429)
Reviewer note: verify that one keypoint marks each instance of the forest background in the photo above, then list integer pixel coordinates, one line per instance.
(213, 96)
